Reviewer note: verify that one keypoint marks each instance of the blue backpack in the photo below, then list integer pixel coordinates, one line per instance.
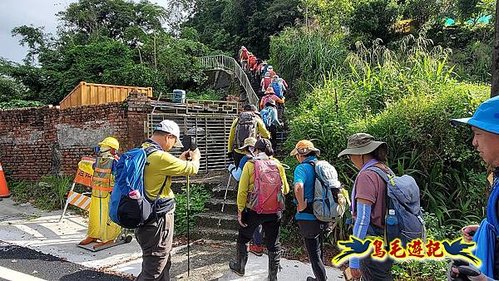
(277, 88)
(404, 218)
(129, 206)
(266, 116)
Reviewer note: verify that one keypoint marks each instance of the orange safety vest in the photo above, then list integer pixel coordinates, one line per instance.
(102, 180)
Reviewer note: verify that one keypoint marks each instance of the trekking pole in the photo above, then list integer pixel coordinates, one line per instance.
(225, 198)
(188, 232)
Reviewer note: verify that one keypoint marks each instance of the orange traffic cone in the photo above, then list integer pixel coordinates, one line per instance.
(4, 190)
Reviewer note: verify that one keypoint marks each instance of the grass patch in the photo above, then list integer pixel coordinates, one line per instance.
(47, 194)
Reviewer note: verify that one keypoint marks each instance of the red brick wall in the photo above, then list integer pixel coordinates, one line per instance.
(41, 141)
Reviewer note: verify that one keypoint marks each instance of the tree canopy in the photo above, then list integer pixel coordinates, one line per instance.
(109, 41)
(228, 24)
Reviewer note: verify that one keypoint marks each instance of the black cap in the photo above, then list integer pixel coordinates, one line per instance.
(262, 144)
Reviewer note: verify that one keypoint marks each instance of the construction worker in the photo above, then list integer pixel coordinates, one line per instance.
(100, 227)
(247, 124)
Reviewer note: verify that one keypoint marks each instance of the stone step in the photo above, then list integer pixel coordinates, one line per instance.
(214, 234)
(212, 220)
(219, 192)
(215, 205)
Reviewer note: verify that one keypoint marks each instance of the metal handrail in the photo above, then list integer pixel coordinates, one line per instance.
(228, 64)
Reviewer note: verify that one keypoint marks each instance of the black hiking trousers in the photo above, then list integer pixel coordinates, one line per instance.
(312, 232)
(271, 224)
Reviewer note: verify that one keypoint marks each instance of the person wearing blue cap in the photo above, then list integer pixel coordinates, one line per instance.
(485, 126)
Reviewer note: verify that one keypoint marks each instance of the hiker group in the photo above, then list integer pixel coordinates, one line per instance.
(319, 197)
(383, 205)
(271, 91)
(134, 190)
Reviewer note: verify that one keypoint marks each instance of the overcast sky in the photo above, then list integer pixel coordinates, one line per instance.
(26, 12)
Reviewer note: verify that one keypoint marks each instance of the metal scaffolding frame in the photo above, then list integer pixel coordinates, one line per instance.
(213, 118)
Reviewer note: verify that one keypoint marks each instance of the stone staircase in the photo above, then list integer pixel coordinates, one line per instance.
(215, 225)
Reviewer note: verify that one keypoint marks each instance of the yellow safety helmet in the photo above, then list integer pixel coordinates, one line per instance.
(111, 142)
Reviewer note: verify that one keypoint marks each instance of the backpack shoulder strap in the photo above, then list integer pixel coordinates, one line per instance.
(150, 149)
(382, 173)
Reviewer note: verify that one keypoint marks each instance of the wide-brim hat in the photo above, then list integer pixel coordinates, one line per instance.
(360, 144)
(304, 147)
(486, 117)
(251, 141)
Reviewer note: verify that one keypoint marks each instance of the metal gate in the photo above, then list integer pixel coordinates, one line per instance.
(211, 120)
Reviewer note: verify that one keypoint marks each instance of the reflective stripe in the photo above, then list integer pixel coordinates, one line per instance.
(101, 188)
(79, 200)
(100, 170)
(101, 179)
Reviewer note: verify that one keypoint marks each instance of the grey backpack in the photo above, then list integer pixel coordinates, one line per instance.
(329, 197)
(246, 127)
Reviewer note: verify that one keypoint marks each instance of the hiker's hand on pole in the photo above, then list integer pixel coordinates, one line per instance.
(195, 155)
(301, 205)
(240, 219)
(469, 231)
(191, 155)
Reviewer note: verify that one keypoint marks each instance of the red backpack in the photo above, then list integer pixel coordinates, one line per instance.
(264, 101)
(267, 197)
(266, 82)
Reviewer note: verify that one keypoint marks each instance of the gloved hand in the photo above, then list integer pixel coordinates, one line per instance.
(229, 155)
(462, 271)
(231, 168)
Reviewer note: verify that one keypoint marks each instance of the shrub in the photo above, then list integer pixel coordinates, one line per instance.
(199, 194)
(373, 19)
(48, 194)
(303, 57)
(405, 98)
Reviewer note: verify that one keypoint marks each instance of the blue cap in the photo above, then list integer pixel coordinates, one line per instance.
(486, 116)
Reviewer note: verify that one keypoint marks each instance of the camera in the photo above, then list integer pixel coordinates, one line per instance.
(189, 143)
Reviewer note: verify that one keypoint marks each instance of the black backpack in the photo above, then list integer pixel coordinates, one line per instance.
(245, 128)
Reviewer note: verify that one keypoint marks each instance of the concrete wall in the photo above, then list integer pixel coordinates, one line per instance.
(40, 141)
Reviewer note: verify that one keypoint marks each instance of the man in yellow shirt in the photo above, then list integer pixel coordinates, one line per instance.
(156, 237)
(248, 124)
(261, 175)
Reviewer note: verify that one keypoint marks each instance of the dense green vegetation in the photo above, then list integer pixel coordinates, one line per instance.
(112, 42)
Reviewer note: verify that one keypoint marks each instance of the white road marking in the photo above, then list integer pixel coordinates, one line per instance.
(12, 275)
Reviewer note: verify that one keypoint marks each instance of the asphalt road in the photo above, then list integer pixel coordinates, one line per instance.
(43, 267)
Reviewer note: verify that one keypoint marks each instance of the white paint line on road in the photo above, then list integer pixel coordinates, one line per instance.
(12, 275)
(33, 232)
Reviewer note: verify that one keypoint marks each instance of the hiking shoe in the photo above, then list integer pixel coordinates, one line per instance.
(311, 279)
(256, 250)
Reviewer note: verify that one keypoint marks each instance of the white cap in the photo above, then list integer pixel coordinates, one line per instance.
(171, 127)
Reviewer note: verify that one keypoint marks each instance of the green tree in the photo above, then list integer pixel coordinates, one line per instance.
(112, 42)
(126, 21)
(33, 38)
(373, 19)
(331, 14)
(229, 24)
